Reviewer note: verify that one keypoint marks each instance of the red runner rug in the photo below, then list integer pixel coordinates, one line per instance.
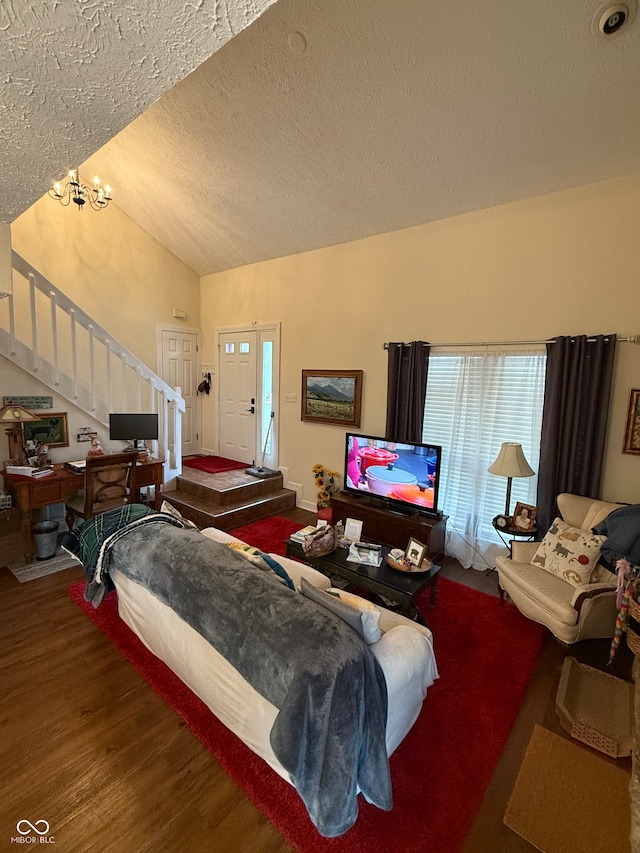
(213, 464)
(486, 655)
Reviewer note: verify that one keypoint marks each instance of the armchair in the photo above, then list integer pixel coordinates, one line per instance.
(572, 613)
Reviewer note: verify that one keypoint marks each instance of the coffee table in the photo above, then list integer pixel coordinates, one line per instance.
(400, 587)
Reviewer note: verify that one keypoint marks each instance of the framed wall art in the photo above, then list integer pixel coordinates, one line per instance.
(51, 429)
(332, 396)
(632, 432)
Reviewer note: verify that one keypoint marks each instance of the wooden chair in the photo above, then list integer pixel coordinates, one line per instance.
(107, 485)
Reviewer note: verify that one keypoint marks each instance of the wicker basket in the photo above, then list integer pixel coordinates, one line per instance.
(596, 708)
(633, 626)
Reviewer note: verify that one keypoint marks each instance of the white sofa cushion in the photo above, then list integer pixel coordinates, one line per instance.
(569, 552)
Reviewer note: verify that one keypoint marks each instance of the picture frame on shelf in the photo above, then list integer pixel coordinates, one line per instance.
(51, 430)
(632, 430)
(415, 552)
(352, 530)
(332, 397)
(523, 519)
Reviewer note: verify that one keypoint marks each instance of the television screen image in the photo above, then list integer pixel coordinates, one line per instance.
(405, 473)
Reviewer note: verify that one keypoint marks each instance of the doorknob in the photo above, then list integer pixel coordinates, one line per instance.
(252, 410)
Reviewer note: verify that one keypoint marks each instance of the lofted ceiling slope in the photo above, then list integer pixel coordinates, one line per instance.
(326, 121)
(75, 72)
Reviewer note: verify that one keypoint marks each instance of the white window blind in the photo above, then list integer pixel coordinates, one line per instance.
(475, 401)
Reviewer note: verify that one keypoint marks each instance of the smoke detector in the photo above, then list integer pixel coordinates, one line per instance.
(611, 19)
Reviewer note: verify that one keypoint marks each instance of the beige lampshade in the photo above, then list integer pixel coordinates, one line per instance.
(511, 462)
(16, 415)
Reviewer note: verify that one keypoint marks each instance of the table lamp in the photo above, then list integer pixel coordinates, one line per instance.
(14, 416)
(510, 463)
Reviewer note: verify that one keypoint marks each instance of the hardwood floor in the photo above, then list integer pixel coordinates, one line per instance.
(86, 744)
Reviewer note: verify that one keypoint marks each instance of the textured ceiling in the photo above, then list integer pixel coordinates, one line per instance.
(330, 120)
(74, 72)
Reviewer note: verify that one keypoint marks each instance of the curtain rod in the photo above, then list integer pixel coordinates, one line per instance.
(628, 339)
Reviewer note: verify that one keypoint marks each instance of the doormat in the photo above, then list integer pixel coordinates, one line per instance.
(568, 800)
(212, 464)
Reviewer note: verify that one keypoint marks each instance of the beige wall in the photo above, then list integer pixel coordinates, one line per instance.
(112, 268)
(566, 263)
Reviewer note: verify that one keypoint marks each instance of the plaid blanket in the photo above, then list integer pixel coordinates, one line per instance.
(91, 543)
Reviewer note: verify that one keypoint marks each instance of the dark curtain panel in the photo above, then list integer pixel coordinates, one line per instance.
(406, 390)
(574, 419)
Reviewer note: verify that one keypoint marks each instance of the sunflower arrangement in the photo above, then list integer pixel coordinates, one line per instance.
(326, 483)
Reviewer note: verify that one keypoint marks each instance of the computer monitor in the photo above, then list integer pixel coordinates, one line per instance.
(135, 428)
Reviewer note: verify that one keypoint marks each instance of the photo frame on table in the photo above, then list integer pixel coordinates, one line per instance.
(524, 518)
(51, 429)
(353, 530)
(332, 397)
(415, 552)
(632, 431)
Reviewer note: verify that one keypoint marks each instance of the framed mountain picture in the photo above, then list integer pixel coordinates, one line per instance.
(332, 396)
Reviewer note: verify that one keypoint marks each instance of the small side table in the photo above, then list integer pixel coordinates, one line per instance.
(514, 533)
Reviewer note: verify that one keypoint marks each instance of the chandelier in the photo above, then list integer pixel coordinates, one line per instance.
(98, 197)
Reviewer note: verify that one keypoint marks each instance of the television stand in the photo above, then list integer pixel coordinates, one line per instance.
(389, 527)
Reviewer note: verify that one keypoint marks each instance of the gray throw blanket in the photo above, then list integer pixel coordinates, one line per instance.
(328, 687)
(622, 529)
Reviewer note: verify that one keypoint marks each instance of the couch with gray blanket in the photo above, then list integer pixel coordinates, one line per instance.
(322, 698)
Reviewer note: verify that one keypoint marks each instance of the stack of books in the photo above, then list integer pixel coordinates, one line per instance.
(28, 471)
(78, 467)
(299, 535)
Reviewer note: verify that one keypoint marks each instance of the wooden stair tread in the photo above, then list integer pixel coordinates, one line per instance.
(228, 499)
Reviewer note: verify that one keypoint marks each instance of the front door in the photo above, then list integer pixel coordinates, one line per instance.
(238, 389)
(180, 370)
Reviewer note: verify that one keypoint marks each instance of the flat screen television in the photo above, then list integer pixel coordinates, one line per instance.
(405, 475)
(133, 427)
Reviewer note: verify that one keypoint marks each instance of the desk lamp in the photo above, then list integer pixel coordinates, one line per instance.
(510, 463)
(14, 416)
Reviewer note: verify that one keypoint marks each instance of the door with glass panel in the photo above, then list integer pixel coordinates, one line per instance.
(248, 377)
(238, 392)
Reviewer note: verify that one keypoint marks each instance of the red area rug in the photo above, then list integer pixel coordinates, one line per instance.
(213, 464)
(486, 655)
(269, 534)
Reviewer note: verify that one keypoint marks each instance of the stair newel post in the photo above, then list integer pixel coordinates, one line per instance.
(54, 337)
(34, 323)
(123, 387)
(138, 389)
(12, 326)
(92, 369)
(107, 354)
(74, 354)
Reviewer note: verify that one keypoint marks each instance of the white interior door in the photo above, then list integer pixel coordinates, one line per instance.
(180, 370)
(238, 389)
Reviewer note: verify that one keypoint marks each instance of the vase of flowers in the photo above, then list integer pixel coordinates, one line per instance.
(327, 484)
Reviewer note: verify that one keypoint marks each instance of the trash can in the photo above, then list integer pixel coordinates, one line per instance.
(45, 538)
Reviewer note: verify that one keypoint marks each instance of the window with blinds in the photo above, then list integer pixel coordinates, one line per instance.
(475, 401)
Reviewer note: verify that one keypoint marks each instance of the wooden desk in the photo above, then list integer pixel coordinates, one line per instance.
(30, 493)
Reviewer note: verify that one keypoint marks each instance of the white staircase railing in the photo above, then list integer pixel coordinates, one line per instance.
(49, 336)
